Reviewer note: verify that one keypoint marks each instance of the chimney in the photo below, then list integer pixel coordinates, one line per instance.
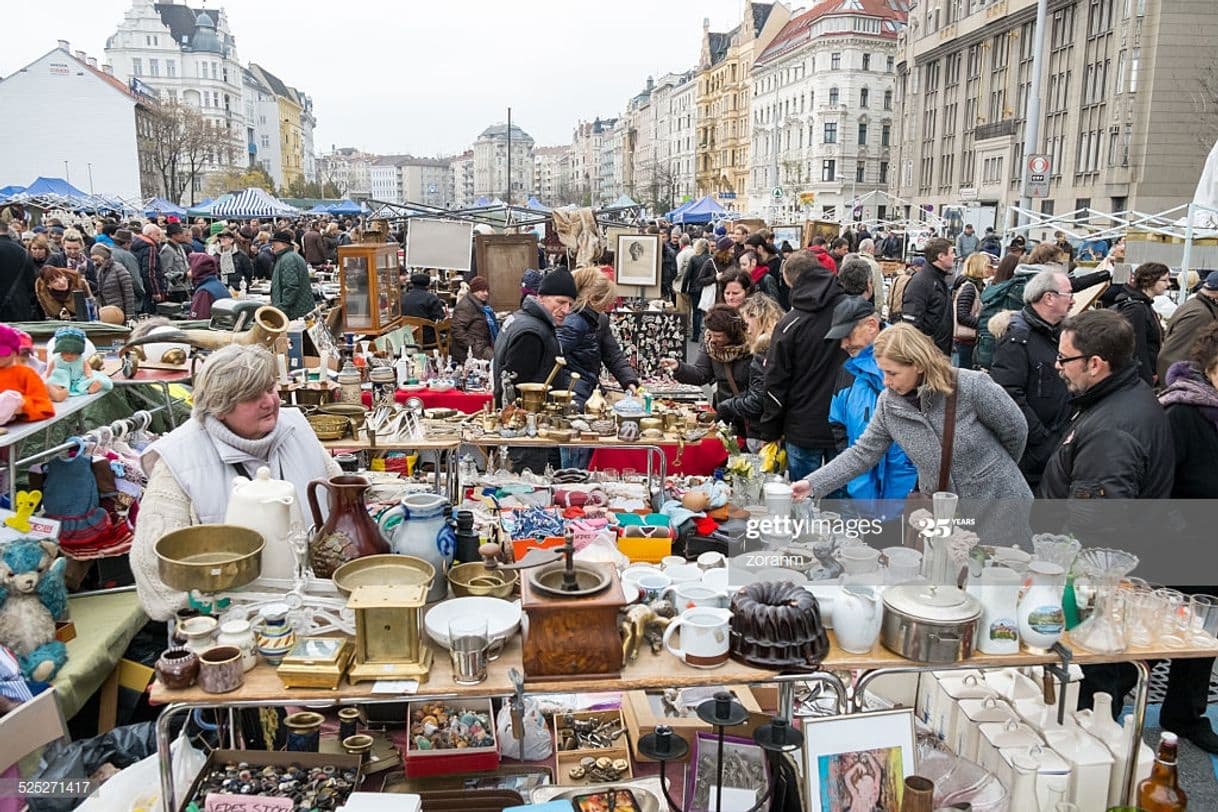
(92, 61)
(80, 56)
(706, 23)
(107, 69)
(64, 45)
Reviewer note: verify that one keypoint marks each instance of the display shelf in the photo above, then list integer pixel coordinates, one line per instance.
(649, 671)
(362, 444)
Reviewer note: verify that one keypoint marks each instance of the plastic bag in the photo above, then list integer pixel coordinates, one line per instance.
(538, 745)
(138, 787)
(74, 761)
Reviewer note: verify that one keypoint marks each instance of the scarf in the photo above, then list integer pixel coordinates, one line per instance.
(1187, 386)
(492, 324)
(260, 449)
(227, 268)
(758, 273)
(725, 355)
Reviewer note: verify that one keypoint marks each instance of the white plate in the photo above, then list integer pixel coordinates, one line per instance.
(502, 617)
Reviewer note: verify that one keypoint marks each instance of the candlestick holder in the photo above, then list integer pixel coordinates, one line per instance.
(722, 711)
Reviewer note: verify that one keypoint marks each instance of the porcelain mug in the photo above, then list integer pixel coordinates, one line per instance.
(778, 498)
(689, 595)
(712, 559)
(684, 573)
(220, 670)
(652, 585)
(716, 578)
(704, 636)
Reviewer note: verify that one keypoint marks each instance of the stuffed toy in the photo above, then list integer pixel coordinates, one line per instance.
(32, 598)
(67, 374)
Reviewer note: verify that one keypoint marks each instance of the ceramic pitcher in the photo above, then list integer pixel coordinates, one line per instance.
(349, 532)
(1041, 617)
(857, 613)
(268, 506)
(999, 594)
(419, 526)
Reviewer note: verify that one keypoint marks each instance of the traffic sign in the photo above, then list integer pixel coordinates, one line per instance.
(777, 193)
(1036, 176)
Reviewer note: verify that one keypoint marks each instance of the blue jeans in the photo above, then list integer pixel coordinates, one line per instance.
(575, 457)
(964, 355)
(803, 461)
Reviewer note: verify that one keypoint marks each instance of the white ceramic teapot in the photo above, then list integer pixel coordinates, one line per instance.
(269, 507)
(857, 613)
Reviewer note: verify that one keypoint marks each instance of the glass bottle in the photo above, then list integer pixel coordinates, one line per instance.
(1161, 791)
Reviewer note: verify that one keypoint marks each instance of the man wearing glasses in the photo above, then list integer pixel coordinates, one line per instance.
(1117, 446)
(1024, 365)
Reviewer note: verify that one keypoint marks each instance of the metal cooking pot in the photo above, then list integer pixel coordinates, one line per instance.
(928, 623)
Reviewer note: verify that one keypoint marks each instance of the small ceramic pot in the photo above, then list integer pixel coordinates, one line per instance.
(221, 670)
(178, 640)
(177, 668)
(200, 632)
(238, 633)
(304, 731)
(358, 745)
(275, 638)
(348, 723)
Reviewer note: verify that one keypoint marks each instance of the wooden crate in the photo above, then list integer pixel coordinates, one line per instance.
(641, 719)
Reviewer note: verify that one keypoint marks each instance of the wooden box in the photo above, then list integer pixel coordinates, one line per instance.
(641, 717)
(564, 761)
(611, 716)
(572, 638)
(263, 758)
(421, 763)
(316, 662)
(370, 287)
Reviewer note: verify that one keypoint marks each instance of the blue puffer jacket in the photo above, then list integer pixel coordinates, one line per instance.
(849, 412)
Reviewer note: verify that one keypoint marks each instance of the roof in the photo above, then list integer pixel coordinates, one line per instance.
(183, 23)
(797, 31)
(500, 130)
(113, 81)
(551, 150)
(761, 13)
(719, 43)
(271, 80)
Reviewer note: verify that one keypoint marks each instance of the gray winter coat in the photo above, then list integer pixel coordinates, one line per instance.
(990, 436)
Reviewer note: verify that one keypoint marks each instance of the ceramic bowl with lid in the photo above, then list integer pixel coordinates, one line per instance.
(929, 623)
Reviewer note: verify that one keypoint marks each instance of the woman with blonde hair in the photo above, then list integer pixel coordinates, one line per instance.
(760, 314)
(588, 343)
(920, 389)
(966, 305)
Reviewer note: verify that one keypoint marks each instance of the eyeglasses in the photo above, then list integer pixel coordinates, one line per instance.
(1063, 360)
(1069, 296)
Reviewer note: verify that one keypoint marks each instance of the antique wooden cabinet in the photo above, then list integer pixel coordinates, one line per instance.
(371, 288)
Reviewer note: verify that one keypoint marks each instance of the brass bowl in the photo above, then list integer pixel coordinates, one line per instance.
(651, 423)
(562, 396)
(473, 579)
(329, 426)
(354, 412)
(209, 557)
(389, 569)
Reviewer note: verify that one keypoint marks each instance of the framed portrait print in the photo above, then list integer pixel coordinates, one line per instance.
(859, 761)
(637, 258)
(745, 773)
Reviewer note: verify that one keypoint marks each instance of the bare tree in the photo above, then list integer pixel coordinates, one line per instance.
(661, 187)
(183, 144)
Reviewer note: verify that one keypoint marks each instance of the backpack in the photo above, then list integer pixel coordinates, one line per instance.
(896, 295)
(1006, 295)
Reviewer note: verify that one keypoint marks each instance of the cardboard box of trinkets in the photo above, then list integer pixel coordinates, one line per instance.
(321, 780)
(450, 736)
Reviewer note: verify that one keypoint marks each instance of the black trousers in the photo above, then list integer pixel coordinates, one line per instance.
(1116, 679)
(1188, 684)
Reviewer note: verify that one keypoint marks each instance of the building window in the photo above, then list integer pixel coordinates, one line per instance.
(887, 99)
(833, 96)
(154, 67)
(137, 67)
(835, 61)
(891, 64)
(864, 97)
(830, 132)
(860, 172)
(886, 135)
(1134, 57)
(266, 141)
(866, 61)
(1046, 207)
(883, 176)
(173, 94)
(828, 170)
(171, 68)
(862, 133)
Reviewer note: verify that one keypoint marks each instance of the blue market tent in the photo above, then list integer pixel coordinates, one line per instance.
(679, 209)
(344, 207)
(537, 205)
(703, 211)
(8, 191)
(56, 187)
(320, 208)
(200, 209)
(253, 202)
(159, 205)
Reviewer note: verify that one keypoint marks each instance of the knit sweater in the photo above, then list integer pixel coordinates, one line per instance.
(36, 402)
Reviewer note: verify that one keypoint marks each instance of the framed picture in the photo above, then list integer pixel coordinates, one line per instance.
(858, 761)
(503, 259)
(745, 773)
(637, 258)
(788, 234)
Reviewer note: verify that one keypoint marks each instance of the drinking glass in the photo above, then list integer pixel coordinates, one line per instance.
(1204, 610)
(1142, 616)
(469, 647)
(943, 505)
(1174, 618)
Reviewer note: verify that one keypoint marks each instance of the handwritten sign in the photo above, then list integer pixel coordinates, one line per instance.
(223, 802)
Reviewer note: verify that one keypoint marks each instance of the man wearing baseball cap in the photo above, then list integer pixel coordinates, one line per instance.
(1187, 322)
(859, 383)
(290, 288)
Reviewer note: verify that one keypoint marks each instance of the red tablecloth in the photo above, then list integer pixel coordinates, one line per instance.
(464, 402)
(700, 458)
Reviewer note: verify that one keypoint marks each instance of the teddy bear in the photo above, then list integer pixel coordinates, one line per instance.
(32, 598)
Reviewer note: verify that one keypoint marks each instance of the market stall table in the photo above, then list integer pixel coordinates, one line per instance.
(105, 623)
(464, 402)
(162, 379)
(442, 449)
(700, 458)
(263, 687)
(15, 433)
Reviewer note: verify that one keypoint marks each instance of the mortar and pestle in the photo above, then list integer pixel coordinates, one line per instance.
(533, 395)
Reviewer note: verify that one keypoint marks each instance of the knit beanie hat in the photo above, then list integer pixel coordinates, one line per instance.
(10, 341)
(724, 244)
(101, 249)
(478, 283)
(216, 228)
(69, 339)
(558, 282)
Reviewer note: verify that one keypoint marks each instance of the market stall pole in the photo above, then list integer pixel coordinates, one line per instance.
(656, 461)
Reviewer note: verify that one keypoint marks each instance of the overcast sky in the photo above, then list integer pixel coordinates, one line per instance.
(424, 77)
